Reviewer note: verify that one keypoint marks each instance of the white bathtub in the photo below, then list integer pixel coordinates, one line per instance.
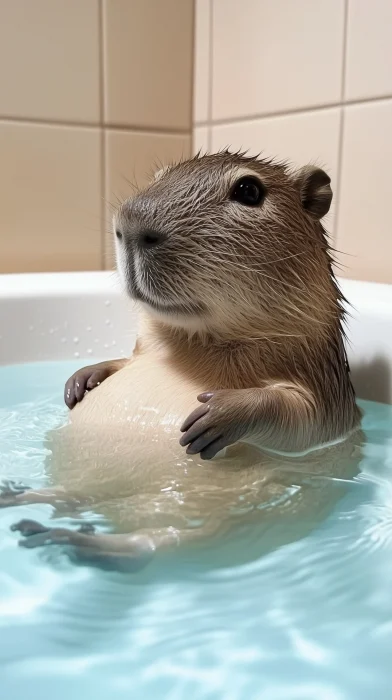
(85, 315)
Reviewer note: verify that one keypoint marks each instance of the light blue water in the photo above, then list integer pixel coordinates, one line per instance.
(309, 621)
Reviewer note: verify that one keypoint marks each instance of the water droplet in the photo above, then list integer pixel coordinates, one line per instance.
(106, 346)
(89, 329)
(107, 321)
(107, 302)
(31, 328)
(96, 340)
(89, 351)
(51, 331)
(63, 340)
(76, 354)
(76, 340)
(114, 342)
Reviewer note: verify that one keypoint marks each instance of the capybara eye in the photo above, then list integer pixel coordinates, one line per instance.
(249, 191)
(119, 235)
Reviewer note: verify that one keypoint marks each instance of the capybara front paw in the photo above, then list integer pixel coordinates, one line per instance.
(83, 381)
(11, 493)
(223, 419)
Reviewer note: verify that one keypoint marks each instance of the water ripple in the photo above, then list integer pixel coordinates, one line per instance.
(310, 620)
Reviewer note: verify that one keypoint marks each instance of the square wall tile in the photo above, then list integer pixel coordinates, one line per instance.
(276, 55)
(369, 49)
(131, 160)
(311, 137)
(49, 59)
(201, 139)
(364, 234)
(148, 60)
(201, 69)
(50, 216)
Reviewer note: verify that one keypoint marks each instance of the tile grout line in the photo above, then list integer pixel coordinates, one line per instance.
(210, 73)
(342, 122)
(192, 132)
(292, 112)
(137, 129)
(166, 131)
(344, 55)
(102, 132)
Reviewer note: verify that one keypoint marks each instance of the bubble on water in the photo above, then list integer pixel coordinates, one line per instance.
(63, 340)
(51, 331)
(108, 322)
(89, 329)
(114, 342)
(89, 351)
(76, 340)
(76, 354)
(106, 345)
(96, 340)
(31, 328)
(107, 302)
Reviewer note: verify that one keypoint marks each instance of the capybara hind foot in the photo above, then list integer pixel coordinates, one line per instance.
(16, 494)
(12, 494)
(109, 552)
(37, 535)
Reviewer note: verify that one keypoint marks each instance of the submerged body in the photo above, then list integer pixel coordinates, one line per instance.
(238, 390)
(121, 453)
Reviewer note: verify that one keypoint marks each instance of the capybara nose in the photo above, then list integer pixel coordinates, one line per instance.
(149, 238)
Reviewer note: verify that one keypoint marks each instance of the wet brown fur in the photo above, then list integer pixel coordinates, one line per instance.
(275, 310)
(240, 301)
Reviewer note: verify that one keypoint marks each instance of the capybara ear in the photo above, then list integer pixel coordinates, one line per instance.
(314, 187)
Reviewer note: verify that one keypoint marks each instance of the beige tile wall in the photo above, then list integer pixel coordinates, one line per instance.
(92, 92)
(307, 80)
